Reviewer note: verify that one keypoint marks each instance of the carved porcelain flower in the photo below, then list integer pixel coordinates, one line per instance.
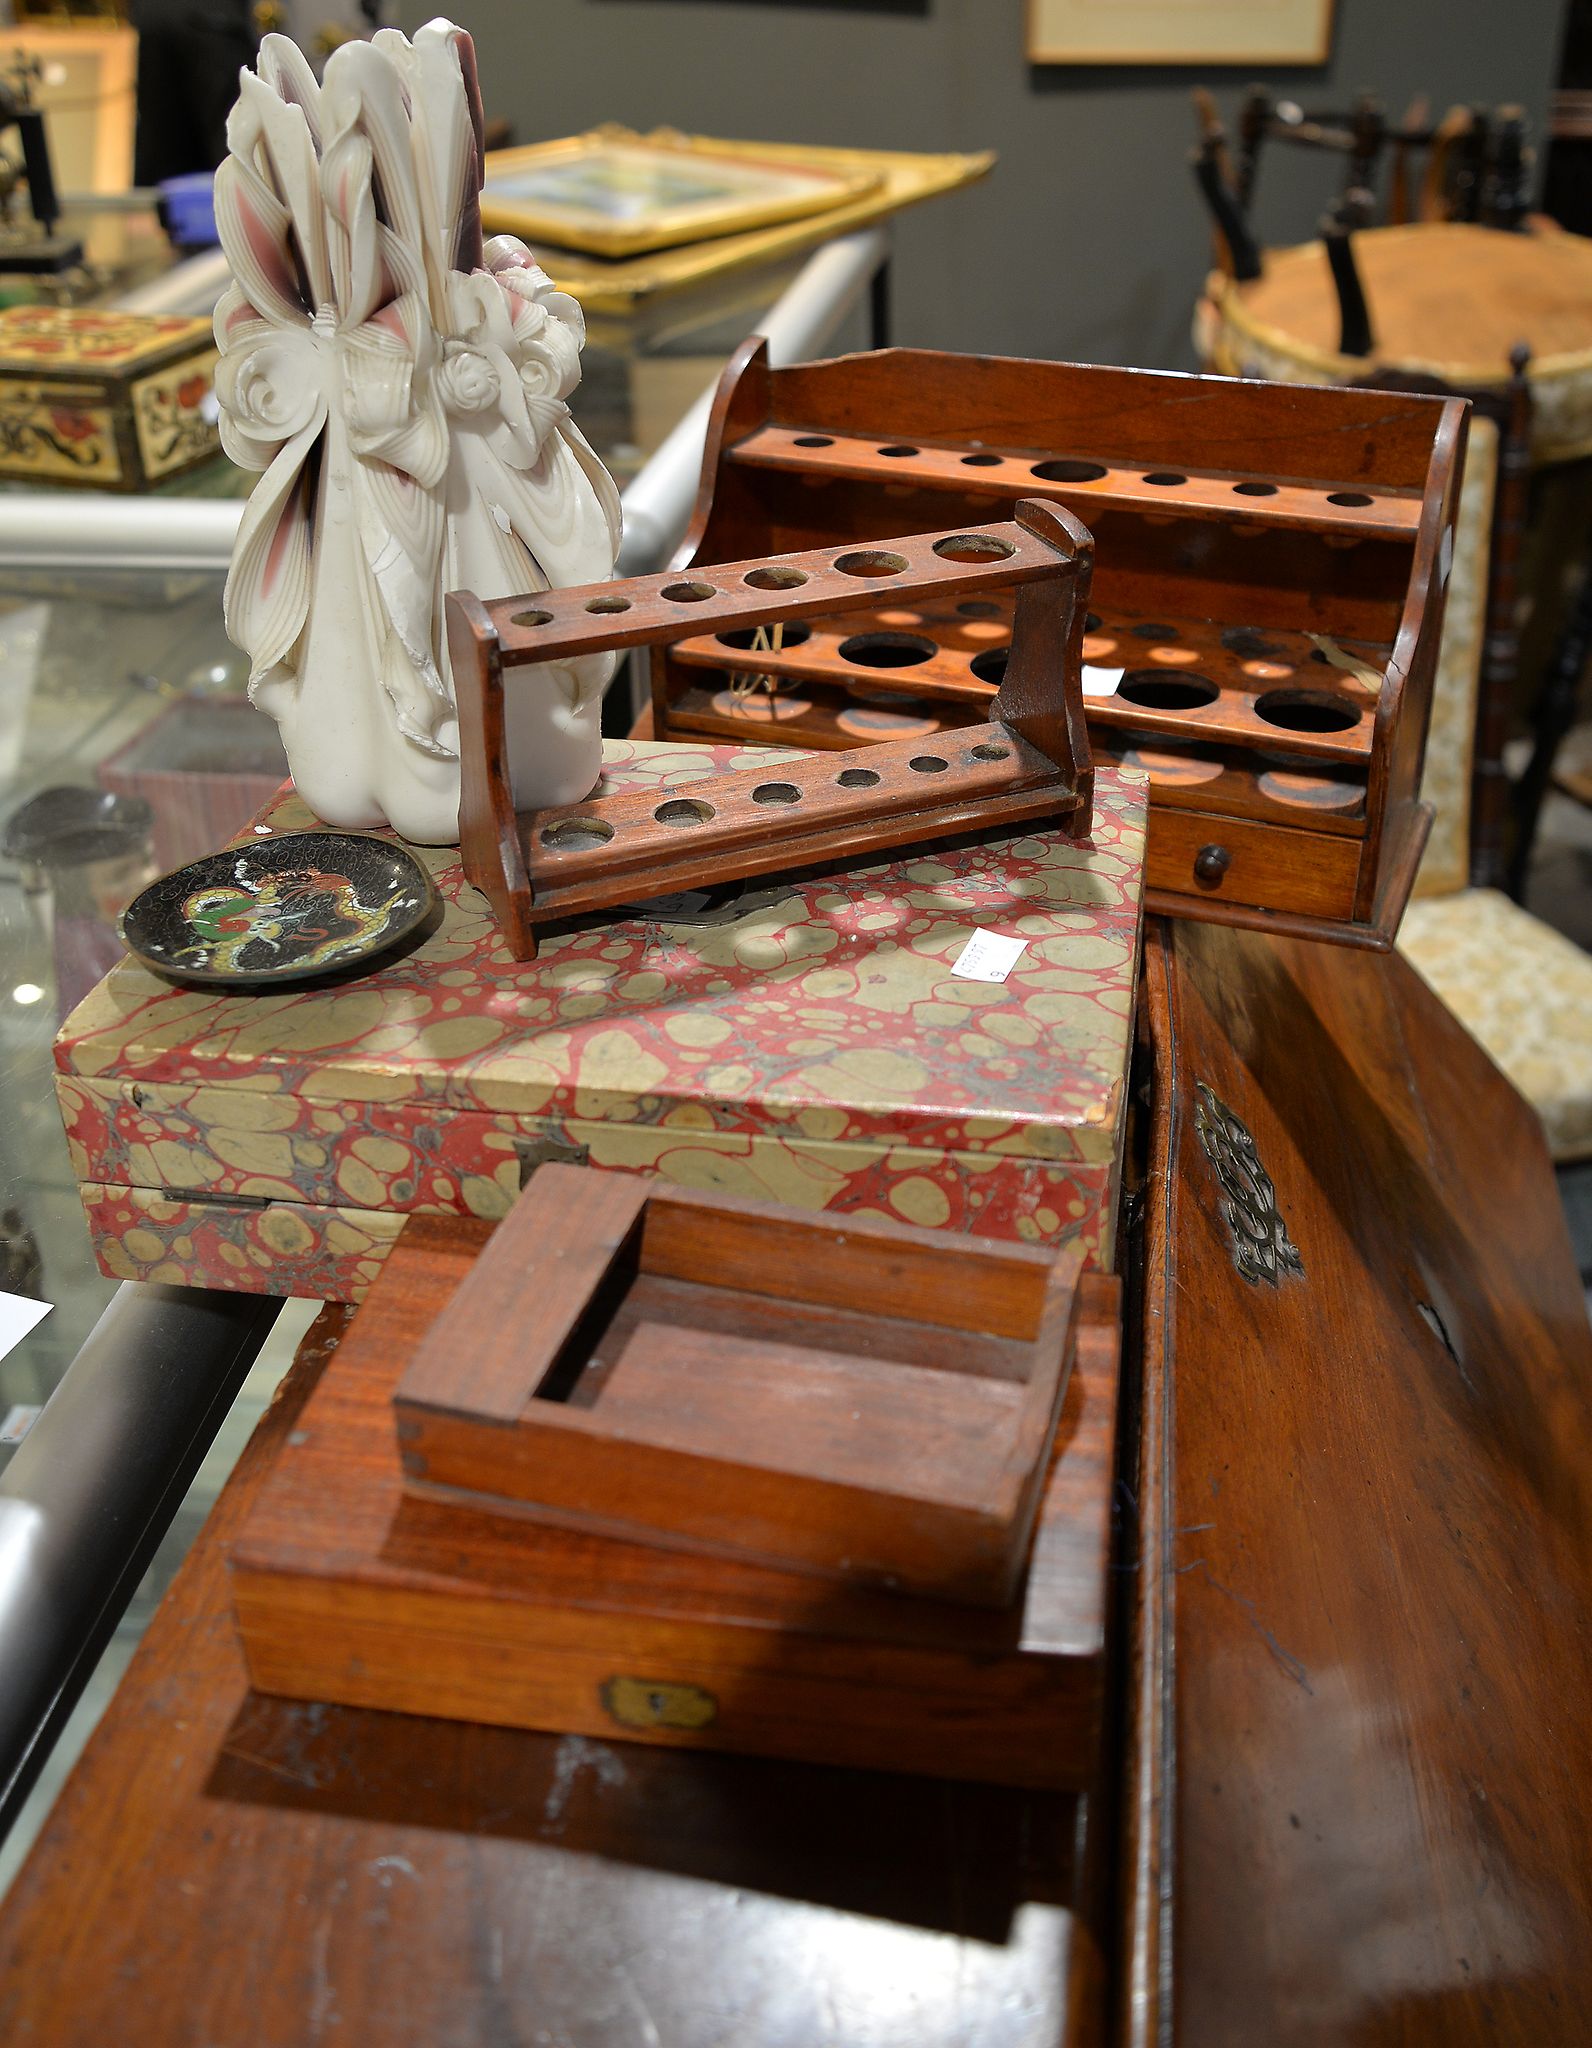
(403, 386)
(269, 392)
(469, 382)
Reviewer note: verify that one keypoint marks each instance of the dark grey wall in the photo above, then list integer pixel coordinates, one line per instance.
(1087, 240)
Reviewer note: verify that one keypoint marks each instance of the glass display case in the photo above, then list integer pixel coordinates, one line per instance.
(128, 746)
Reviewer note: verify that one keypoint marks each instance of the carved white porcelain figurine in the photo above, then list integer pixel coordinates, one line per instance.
(403, 387)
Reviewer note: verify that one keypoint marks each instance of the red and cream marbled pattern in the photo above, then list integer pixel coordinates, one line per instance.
(806, 1044)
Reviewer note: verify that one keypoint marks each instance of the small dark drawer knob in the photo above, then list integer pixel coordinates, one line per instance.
(1211, 863)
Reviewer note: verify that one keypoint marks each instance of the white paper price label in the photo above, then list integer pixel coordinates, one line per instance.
(988, 956)
(18, 1315)
(1100, 682)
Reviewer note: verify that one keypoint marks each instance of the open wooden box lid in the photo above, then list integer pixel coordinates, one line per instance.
(855, 1399)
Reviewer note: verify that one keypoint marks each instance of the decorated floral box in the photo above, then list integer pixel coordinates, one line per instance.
(114, 400)
(801, 1043)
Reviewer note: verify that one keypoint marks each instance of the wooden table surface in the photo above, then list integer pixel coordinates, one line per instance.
(1445, 296)
(1362, 1746)
(1357, 1795)
(225, 1870)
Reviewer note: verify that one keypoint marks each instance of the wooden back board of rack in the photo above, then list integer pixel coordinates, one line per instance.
(1267, 600)
(1031, 761)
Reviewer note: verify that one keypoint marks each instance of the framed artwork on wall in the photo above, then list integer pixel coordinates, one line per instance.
(1179, 31)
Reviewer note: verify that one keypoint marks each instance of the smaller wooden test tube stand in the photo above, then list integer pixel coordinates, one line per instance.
(1031, 761)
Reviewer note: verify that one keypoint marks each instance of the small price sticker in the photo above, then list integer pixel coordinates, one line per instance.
(1100, 682)
(19, 1420)
(988, 956)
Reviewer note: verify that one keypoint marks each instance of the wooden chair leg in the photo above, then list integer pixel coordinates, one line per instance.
(1244, 256)
(1551, 719)
(1253, 118)
(1500, 660)
(1354, 318)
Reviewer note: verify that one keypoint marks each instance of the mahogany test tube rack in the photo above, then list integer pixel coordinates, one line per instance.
(1271, 564)
(1029, 761)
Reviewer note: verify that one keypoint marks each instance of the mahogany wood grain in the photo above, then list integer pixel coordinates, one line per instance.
(1281, 579)
(1361, 1780)
(1106, 414)
(806, 812)
(1278, 691)
(1281, 923)
(1038, 545)
(799, 1456)
(1033, 762)
(352, 1586)
(1328, 797)
(1037, 699)
(489, 838)
(1166, 487)
(939, 672)
(683, 1387)
(1403, 713)
(719, 1310)
(810, 721)
(1221, 782)
(505, 1345)
(873, 1266)
(1408, 827)
(227, 1868)
(1221, 508)
(837, 1452)
(1312, 874)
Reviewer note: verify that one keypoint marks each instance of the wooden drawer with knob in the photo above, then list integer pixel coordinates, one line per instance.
(1202, 855)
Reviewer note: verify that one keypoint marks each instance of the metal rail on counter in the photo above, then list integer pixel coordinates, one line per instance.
(72, 529)
(93, 1487)
(95, 1484)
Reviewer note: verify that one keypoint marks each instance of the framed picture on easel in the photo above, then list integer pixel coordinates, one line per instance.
(1179, 31)
(615, 193)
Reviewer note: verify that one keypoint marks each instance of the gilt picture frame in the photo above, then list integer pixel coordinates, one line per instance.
(615, 193)
(1178, 31)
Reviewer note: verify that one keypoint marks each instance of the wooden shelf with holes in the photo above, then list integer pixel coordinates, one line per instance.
(1268, 591)
(1028, 762)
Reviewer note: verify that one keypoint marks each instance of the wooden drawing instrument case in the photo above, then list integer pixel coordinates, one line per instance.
(1270, 564)
(352, 1585)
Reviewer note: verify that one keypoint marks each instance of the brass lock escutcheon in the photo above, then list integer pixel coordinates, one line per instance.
(657, 1703)
(1261, 1247)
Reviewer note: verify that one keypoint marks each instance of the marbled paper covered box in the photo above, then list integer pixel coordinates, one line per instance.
(803, 1044)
